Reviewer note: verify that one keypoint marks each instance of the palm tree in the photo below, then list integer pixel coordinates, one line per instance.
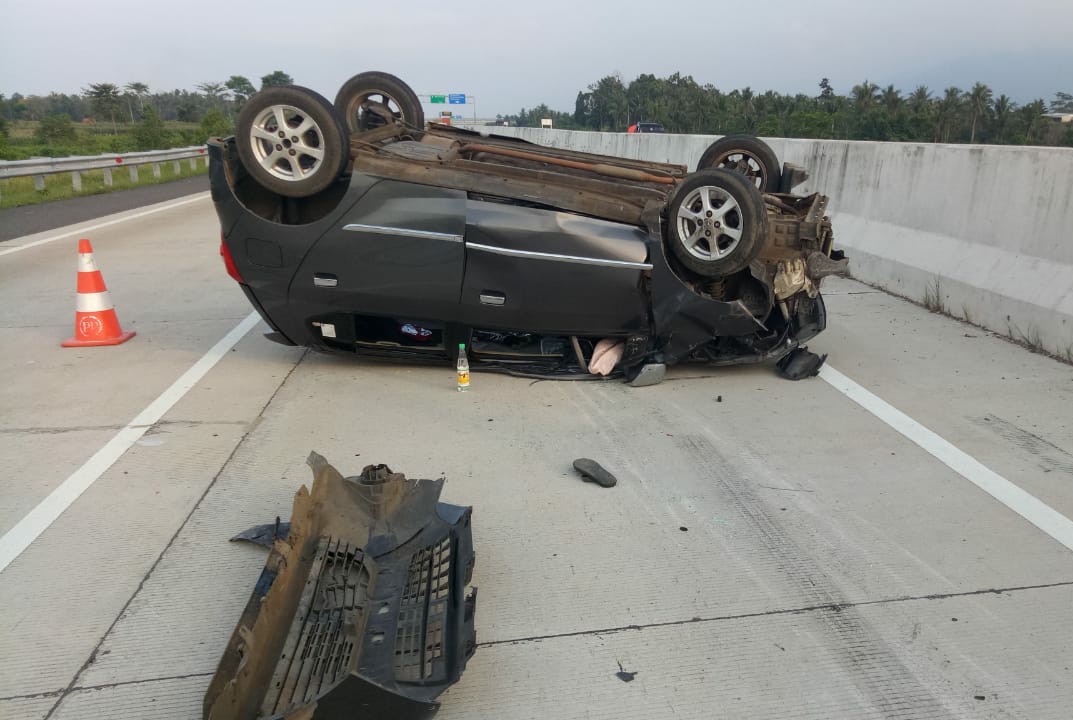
(241, 88)
(979, 102)
(213, 91)
(892, 100)
(1032, 120)
(1003, 111)
(920, 100)
(104, 97)
(865, 95)
(946, 113)
(140, 90)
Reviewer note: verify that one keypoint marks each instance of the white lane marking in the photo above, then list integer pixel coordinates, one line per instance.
(1028, 506)
(98, 226)
(37, 520)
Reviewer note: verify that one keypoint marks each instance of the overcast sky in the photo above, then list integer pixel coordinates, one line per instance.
(509, 54)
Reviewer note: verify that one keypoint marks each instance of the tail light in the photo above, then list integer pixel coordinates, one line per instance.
(229, 262)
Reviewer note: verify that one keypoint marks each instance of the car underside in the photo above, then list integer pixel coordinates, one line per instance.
(422, 237)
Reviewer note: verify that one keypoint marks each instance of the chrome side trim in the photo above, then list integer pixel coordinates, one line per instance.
(325, 281)
(625, 264)
(496, 300)
(403, 232)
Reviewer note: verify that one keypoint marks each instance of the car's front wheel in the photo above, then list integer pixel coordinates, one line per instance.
(291, 141)
(716, 223)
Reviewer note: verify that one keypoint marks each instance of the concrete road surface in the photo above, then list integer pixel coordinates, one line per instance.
(890, 540)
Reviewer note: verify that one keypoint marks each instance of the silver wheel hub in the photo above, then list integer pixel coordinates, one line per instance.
(709, 223)
(287, 142)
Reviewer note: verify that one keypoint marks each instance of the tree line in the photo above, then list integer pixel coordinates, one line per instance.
(103, 108)
(866, 112)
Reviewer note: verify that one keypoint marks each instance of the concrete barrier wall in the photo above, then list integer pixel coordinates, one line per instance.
(988, 230)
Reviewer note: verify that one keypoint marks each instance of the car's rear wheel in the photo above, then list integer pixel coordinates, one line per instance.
(291, 141)
(372, 99)
(747, 155)
(716, 223)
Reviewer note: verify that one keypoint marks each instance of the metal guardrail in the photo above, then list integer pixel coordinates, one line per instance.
(39, 168)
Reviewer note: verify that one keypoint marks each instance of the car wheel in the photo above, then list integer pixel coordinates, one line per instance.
(716, 223)
(747, 155)
(370, 99)
(291, 141)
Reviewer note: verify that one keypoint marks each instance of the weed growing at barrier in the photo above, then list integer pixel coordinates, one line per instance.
(1030, 339)
(15, 192)
(933, 297)
(966, 315)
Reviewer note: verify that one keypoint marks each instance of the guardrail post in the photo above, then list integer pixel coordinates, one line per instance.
(175, 168)
(107, 176)
(193, 163)
(134, 173)
(156, 170)
(76, 181)
(39, 182)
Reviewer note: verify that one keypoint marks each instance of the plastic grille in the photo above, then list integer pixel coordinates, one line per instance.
(422, 612)
(319, 654)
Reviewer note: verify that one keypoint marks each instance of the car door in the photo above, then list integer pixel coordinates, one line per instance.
(542, 270)
(398, 252)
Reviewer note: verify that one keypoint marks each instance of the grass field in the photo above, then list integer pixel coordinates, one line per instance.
(15, 192)
(97, 139)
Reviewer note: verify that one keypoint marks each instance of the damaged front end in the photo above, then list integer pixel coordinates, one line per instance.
(361, 610)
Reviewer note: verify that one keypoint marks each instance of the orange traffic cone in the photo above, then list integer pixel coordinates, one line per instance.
(95, 319)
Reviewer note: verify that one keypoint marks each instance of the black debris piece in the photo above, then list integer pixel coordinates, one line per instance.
(592, 471)
(264, 535)
(800, 364)
(623, 675)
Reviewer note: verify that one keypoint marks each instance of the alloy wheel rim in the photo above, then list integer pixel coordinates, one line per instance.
(287, 143)
(709, 223)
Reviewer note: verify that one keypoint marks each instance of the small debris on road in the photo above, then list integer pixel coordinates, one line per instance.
(592, 471)
(623, 675)
(800, 364)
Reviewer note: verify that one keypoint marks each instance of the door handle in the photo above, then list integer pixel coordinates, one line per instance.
(325, 280)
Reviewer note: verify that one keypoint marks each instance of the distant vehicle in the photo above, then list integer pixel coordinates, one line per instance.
(646, 127)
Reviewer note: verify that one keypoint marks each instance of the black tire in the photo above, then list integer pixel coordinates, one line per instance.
(747, 155)
(387, 92)
(298, 164)
(716, 223)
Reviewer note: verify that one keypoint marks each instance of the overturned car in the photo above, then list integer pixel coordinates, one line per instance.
(356, 227)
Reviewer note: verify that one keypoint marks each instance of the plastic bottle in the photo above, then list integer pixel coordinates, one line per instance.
(463, 368)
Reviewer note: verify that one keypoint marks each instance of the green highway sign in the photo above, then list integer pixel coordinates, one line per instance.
(438, 99)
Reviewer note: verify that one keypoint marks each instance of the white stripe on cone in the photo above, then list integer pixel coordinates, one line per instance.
(93, 302)
(86, 263)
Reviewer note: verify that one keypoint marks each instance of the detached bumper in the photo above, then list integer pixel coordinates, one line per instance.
(361, 610)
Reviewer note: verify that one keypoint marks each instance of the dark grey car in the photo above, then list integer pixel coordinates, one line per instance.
(424, 237)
